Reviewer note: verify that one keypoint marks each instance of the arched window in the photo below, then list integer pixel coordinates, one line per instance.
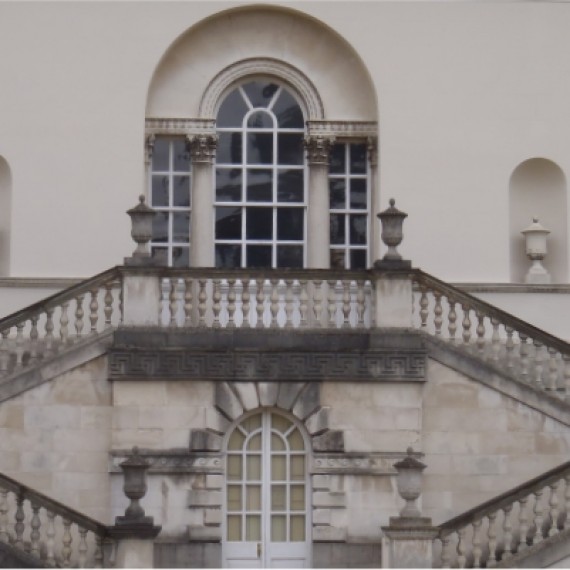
(260, 182)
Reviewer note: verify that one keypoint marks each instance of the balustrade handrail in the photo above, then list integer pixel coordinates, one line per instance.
(490, 311)
(502, 500)
(61, 296)
(37, 498)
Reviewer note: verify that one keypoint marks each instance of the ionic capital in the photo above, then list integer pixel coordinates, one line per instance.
(318, 149)
(203, 147)
(149, 148)
(372, 147)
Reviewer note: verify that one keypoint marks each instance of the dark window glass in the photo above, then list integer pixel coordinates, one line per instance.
(181, 156)
(181, 195)
(229, 148)
(259, 185)
(337, 259)
(228, 184)
(288, 111)
(180, 257)
(228, 255)
(260, 93)
(160, 254)
(258, 255)
(290, 185)
(259, 223)
(358, 159)
(358, 259)
(159, 191)
(358, 193)
(180, 226)
(290, 256)
(337, 232)
(337, 165)
(160, 227)
(259, 148)
(260, 120)
(228, 223)
(290, 148)
(290, 223)
(337, 194)
(160, 154)
(357, 230)
(232, 110)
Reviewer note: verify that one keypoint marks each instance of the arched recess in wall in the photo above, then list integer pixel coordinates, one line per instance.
(5, 216)
(538, 189)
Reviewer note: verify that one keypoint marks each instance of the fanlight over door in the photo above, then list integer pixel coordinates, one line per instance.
(266, 522)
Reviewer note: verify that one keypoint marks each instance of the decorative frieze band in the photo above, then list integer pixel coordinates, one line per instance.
(350, 463)
(373, 365)
(180, 126)
(343, 129)
(173, 461)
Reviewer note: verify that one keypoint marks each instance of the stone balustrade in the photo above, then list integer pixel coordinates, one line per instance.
(50, 532)
(493, 533)
(523, 351)
(53, 325)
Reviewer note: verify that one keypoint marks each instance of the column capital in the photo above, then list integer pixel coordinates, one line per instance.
(149, 147)
(203, 147)
(372, 148)
(318, 149)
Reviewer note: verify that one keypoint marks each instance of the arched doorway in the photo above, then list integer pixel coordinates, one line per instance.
(266, 522)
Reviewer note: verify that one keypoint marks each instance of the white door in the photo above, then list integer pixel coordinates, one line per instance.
(265, 522)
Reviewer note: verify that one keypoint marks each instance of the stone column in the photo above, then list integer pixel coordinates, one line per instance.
(372, 148)
(203, 151)
(318, 237)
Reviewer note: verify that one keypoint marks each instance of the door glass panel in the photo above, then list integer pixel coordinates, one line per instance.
(253, 527)
(297, 467)
(234, 527)
(278, 528)
(234, 467)
(297, 498)
(296, 441)
(297, 530)
(234, 497)
(278, 468)
(253, 467)
(278, 497)
(253, 498)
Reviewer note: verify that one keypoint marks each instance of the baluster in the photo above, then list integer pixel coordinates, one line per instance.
(217, 297)
(553, 504)
(437, 313)
(78, 315)
(172, 301)
(5, 351)
(82, 549)
(538, 363)
(260, 302)
(331, 304)
(552, 369)
(245, 304)
(492, 537)
(423, 307)
(452, 318)
(466, 324)
(317, 305)
(461, 548)
(49, 338)
(538, 518)
(446, 552)
(566, 359)
(523, 524)
(304, 304)
(34, 339)
(274, 300)
(19, 526)
(188, 302)
(98, 555)
(480, 331)
(509, 347)
(360, 304)
(202, 298)
(477, 550)
(4, 537)
(108, 300)
(567, 500)
(289, 299)
(20, 344)
(523, 353)
(94, 308)
(345, 304)
(231, 304)
(50, 539)
(66, 548)
(507, 531)
(495, 339)
(35, 532)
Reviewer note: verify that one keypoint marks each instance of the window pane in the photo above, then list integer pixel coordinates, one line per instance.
(337, 165)
(297, 528)
(277, 443)
(260, 120)
(290, 222)
(234, 527)
(160, 227)
(296, 441)
(253, 498)
(232, 110)
(228, 184)
(337, 228)
(253, 463)
(181, 226)
(358, 259)
(252, 423)
(181, 156)
(254, 444)
(229, 148)
(258, 255)
(234, 467)
(297, 467)
(236, 440)
(290, 186)
(280, 423)
(337, 193)
(278, 468)
(160, 154)
(228, 223)
(159, 191)
(259, 148)
(358, 193)
(288, 111)
(297, 497)
(290, 148)
(358, 158)
(180, 257)
(338, 259)
(259, 223)
(290, 256)
(228, 255)
(160, 254)
(260, 93)
(259, 185)
(278, 528)
(234, 497)
(181, 191)
(357, 230)
(278, 497)
(253, 527)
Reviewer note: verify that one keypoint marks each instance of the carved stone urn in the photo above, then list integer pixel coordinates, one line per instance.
(409, 483)
(536, 250)
(141, 219)
(134, 485)
(392, 221)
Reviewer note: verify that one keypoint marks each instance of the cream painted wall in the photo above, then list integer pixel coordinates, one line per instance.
(466, 92)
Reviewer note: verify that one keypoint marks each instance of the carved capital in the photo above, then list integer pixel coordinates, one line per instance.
(372, 147)
(149, 148)
(203, 147)
(318, 148)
